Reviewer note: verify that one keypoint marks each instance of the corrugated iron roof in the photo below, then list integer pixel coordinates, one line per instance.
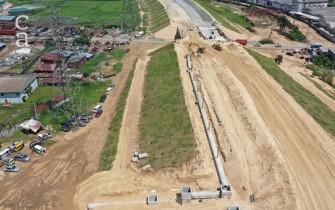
(15, 84)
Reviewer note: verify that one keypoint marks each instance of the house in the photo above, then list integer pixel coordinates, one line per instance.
(2, 46)
(15, 89)
(50, 58)
(31, 125)
(59, 100)
(76, 61)
(50, 81)
(45, 68)
(19, 10)
(7, 19)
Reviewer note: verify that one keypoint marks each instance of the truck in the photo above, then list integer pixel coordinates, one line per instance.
(38, 149)
(316, 45)
(243, 42)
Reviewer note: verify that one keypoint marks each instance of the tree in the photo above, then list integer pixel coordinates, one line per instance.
(82, 40)
(327, 76)
(283, 22)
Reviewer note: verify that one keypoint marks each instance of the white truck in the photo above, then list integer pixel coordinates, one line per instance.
(38, 149)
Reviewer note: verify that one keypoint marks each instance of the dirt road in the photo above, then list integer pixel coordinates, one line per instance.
(50, 181)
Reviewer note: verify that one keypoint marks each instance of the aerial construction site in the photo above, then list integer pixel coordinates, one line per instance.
(246, 140)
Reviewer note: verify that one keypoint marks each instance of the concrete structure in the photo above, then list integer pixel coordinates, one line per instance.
(331, 52)
(152, 199)
(211, 33)
(326, 25)
(13, 88)
(299, 5)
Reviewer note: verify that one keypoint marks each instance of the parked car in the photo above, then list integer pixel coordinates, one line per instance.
(112, 86)
(81, 124)
(22, 157)
(109, 90)
(65, 128)
(35, 142)
(38, 149)
(45, 136)
(98, 114)
(257, 45)
(12, 168)
(7, 161)
(67, 123)
(85, 117)
(103, 98)
(278, 45)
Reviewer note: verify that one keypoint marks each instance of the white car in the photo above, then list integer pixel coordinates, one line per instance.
(109, 90)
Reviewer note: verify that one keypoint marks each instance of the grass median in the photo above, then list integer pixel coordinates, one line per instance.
(166, 133)
(313, 105)
(110, 148)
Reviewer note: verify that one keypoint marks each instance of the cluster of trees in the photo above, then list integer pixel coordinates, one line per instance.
(294, 33)
(327, 66)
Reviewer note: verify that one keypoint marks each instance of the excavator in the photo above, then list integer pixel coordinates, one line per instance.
(217, 46)
(196, 49)
(279, 59)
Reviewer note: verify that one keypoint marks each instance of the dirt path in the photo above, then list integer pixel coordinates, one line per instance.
(53, 178)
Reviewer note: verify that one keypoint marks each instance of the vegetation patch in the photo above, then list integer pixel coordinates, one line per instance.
(91, 12)
(117, 53)
(225, 15)
(110, 148)
(117, 67)
(155, 17)
(166, 133)
(317, 85)
(91, 66)
(266, 41)
(294, 33)
(313, 105)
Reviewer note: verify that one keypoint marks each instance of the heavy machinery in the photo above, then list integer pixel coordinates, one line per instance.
(279, 59)
(217, 46)
(196, 49)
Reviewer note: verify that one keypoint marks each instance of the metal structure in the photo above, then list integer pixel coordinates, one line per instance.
(128, 22)
(65, 87)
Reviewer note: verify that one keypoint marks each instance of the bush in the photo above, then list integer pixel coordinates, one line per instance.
(266, 41)
(296, 35)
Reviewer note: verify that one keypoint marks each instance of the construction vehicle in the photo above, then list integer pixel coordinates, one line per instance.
(201, 50)
(279, 59)
(196, 49)
(217, 46)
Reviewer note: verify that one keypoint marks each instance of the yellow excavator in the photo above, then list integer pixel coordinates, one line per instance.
(217, 46)
(196, 49)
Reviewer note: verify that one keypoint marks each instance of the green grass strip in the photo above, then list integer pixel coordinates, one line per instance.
(313, 105)
(166, 133)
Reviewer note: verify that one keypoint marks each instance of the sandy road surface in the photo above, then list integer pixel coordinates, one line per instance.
(303, 145)
(50, 181)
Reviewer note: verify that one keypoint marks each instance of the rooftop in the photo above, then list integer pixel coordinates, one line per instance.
(45, 67)
(15, 84)
(50, 57)
(327, 13)
(18, 10)
(7, 18)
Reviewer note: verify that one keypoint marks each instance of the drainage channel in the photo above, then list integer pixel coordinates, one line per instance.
(225, 190)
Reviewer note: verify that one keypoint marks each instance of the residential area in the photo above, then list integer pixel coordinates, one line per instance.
(167, 104)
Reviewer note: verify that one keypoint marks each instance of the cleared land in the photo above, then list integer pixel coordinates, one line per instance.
(313, 105)
(166, 131)
(155, 17)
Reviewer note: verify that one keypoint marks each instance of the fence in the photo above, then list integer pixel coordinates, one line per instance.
(5, 133)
